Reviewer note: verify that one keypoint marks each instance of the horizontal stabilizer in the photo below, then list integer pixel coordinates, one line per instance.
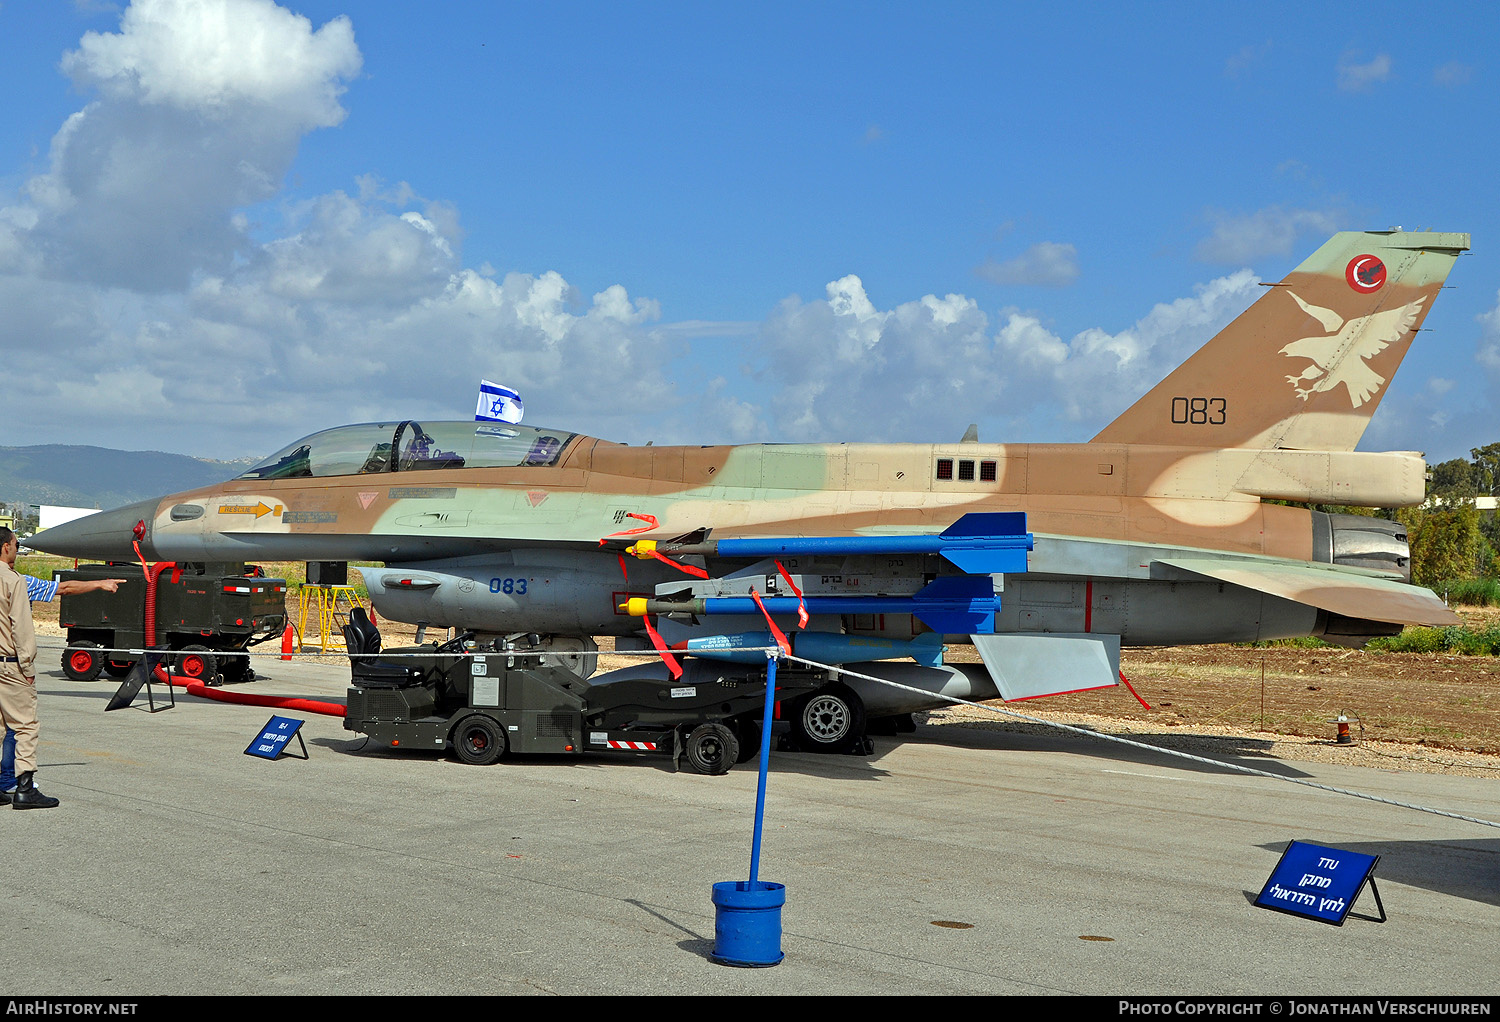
(1337, 590)
(1026, 665)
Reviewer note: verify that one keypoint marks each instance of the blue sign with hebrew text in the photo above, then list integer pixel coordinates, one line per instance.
(1317, 882)
(274, 737)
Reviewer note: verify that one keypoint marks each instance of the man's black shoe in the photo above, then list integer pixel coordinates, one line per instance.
(28, 796)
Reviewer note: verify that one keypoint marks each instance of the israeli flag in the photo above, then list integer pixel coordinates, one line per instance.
(497, 404)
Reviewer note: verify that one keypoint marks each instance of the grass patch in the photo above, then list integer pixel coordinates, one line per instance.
(1471, 592)
(1301, 642)
(1462, 640)
(1458, 639)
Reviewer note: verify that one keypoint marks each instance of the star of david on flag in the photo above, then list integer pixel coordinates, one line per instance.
(497, 404)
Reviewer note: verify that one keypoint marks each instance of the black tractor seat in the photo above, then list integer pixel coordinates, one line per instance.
(365, 668)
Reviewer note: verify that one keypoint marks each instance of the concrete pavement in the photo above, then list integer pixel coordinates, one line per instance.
(178, 865)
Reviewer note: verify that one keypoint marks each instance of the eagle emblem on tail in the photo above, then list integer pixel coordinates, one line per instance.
(1341, 356)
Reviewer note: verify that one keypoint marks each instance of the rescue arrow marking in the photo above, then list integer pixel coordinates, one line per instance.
(258, 510)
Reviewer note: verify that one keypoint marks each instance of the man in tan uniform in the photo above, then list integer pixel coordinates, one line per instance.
(18, 675)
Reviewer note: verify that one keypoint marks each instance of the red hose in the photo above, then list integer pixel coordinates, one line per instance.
(194, 687)
(151, 576)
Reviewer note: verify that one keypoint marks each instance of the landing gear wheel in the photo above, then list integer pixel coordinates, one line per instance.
(712, 749)
(479, 740)
(117, 668)
(196, 663)
(82, 660)
(830, 721)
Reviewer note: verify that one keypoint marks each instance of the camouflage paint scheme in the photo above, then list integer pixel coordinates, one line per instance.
(1156, 531)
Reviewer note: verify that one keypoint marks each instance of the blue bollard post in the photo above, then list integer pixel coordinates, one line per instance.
(747, 914)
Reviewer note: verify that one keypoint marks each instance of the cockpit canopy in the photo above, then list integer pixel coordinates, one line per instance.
(367, 448)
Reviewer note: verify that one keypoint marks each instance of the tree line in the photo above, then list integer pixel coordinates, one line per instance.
(1451, 539)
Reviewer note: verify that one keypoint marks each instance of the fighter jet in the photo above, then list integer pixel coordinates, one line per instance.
(1160, 531)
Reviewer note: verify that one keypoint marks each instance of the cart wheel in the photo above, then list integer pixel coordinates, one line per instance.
(198, 663)
(830, 721)
(479, 740)
(117, 668)
(712, 749)
(82, 660)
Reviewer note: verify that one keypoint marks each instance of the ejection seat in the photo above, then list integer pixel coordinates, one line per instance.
(363, 641)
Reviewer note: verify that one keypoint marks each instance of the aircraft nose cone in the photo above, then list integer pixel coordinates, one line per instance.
(106, 536)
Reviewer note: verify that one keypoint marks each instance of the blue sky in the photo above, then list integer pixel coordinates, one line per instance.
(224, 224)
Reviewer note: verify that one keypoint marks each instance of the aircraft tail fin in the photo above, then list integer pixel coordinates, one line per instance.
(1305, 366)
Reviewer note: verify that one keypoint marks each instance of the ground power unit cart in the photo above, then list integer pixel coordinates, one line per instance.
(207, 614)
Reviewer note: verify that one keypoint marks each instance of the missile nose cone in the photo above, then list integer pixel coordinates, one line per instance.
(106, 536)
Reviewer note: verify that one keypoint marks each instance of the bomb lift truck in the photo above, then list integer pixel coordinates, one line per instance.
(487, 699)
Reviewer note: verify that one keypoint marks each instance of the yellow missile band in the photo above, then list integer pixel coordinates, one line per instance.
(635, 606)
(642, 548)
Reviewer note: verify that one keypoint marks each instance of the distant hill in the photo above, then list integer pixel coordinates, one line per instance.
(99, 477)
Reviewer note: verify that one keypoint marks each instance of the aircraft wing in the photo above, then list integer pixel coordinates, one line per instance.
(1338, 590)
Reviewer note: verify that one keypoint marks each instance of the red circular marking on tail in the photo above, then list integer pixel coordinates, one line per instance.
(1365, 274)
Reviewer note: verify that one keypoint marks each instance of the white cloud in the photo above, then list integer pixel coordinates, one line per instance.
(1045, 264)
(1453, 74)
(131, 256)
(1273, 231)
(212, 57)
(845, 369)
(135, 294)
(1097, 375)
(1240, 64)
(1488, 354)
(201, 106)
(1355, 77)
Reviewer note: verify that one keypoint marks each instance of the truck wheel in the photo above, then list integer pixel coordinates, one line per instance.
(236, 668)
(712, 749)
(479, 740)
(198, 663)
(749, 738)
(82, 660)
(830, 721)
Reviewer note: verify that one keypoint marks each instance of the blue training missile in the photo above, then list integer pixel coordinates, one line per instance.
(949, 605)
(824, 647)
(979, 543)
